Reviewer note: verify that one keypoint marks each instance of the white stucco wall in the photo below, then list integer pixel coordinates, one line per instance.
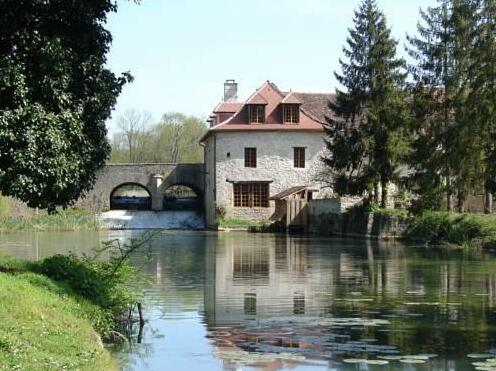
(274, 163)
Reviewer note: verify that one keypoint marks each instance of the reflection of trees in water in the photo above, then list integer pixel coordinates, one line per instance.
(177, 270)
(265, 276)
(352, 278)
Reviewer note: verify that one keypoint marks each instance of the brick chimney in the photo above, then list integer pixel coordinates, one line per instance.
(230, 91)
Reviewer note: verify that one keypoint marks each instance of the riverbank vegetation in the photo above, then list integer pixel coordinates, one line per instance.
(472, 230)
(55, 311)
(62, 220)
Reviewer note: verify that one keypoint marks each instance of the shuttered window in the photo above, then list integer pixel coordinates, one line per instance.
(251, 195)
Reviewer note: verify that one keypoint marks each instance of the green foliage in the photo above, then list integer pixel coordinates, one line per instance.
(376, 208)
(460, 229)
(42, 325)
(482, 99)
(105, 289)
(97, 281)
(448, 151)
(175, 139)
(63, 220)
(55, 97)
(368, 138)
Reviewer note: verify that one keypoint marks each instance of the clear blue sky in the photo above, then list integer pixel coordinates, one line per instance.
(181, 51)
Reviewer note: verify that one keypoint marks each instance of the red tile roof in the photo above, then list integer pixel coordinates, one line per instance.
(314, 109)
(227, 107)
(257, 98)
(291, 98)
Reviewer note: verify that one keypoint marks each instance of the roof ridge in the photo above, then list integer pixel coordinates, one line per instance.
(314, 93)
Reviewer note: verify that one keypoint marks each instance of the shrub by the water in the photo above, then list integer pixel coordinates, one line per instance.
(461, 229)
(103, 283)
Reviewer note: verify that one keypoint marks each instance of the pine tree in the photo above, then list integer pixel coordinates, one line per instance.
(368, 135)
(482, 100)
(446, 153)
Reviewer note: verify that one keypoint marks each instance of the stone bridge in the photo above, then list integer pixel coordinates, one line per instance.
(155, 178)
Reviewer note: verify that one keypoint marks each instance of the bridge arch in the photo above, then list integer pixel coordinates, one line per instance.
(130, 196)
(154, 177)
(183, 196)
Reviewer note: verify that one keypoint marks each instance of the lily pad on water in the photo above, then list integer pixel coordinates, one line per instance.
(354, 360)
(354, 322)
(480, 364)
(378, 362)
(480, 355)
(391, 358)
(412, 360)
(487, 365)
(422, 357)
(249, 358)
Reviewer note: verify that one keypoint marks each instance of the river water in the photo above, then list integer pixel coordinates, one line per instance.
(240, 301)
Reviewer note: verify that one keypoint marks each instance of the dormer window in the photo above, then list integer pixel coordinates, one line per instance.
(256, 113)
(291, 113)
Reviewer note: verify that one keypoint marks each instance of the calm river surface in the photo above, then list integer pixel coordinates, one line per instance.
(239, 301)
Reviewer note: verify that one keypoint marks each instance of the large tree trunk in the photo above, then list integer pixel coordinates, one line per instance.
(488, 203)
(384, 197)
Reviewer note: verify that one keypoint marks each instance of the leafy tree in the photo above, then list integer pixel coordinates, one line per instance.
(55, 96)
(368, 135)
(446, 155)
(132, 132)
(174, 139)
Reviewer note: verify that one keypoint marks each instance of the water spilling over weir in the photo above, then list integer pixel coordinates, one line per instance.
(130, 219)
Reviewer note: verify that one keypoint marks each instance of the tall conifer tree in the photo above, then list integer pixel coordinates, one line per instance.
(446, 154)
(482, 100)
(368, 133)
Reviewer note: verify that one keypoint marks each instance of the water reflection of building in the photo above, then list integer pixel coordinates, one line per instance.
(266, 277)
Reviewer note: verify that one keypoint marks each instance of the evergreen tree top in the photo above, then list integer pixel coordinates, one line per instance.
(371, 66)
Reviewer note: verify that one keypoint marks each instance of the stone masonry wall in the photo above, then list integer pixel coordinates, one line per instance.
(274, 164)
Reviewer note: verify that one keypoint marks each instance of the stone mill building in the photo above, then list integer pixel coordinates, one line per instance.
(263, 149)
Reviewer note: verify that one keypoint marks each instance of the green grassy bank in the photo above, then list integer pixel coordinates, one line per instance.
(474, 230)
(53, 311)
(63, 220)
(43, 326)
